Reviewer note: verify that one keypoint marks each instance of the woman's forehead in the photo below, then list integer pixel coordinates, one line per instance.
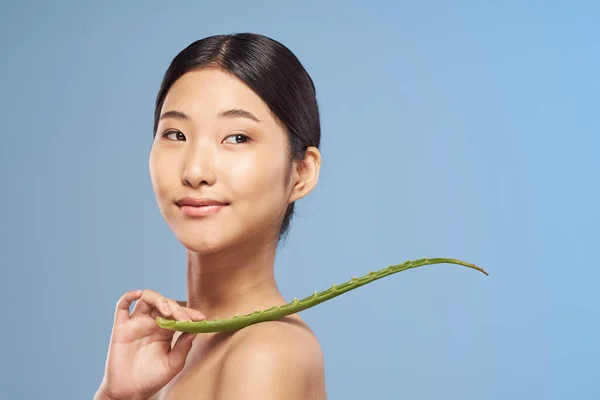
(209, 92)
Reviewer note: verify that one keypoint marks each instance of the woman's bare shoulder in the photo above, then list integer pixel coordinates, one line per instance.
(275, 359)
(288, 331)
(291, 327)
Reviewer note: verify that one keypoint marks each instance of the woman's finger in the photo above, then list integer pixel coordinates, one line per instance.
(149, 300)
(179, 312)
(195, 314)
(122, 309)
(180, 350)
(155, 313)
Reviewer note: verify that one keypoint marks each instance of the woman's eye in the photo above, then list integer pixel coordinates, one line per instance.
(237, 138)
(178, 135)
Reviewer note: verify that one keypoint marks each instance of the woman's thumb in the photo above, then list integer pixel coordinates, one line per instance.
(179, 353)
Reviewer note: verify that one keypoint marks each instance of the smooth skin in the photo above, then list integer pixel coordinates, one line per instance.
(203, 149)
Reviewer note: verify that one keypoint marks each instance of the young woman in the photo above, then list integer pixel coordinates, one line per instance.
(236, 137)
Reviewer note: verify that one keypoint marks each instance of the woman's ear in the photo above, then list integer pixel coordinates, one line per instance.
(306, 174)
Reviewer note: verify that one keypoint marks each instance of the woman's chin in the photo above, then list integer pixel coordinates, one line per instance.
(210, 239)
(205, 241)
(201, 245)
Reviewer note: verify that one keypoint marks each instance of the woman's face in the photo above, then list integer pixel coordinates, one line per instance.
(217, 140)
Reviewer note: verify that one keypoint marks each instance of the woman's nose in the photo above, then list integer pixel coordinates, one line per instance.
(199, 166)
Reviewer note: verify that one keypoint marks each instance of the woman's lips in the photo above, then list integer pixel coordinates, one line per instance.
(201, 211)
(200, 207)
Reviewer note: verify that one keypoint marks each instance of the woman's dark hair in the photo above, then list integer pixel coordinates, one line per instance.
(272, 71)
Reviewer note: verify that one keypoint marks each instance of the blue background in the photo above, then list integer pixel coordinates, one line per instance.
(460, 129)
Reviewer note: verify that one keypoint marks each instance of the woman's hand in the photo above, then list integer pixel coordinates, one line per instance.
(140, 360)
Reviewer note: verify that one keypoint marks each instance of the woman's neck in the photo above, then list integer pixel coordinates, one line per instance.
(231, 282)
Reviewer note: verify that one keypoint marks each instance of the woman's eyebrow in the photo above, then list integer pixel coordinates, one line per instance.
(175, 115)
(231, 113)
(238, 113)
